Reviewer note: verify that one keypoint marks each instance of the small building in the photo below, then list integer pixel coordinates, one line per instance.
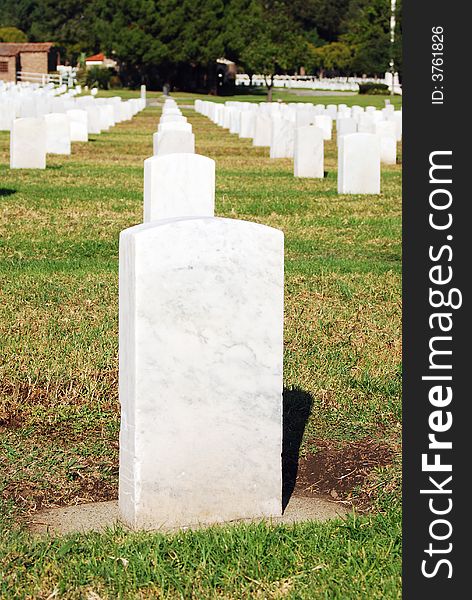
(29, 57)
(100, 60)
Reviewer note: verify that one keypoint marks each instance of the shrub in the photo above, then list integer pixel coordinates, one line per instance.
(12, 34)
(98, 77)
(377, 89)
(115, 82)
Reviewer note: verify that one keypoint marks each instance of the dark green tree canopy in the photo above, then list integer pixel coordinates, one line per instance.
(159, 41)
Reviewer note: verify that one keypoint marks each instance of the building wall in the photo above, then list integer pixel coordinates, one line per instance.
(10, 74)
(34, 62)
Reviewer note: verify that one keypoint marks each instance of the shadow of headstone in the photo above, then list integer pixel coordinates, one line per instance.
(6, 192)
(296, 411)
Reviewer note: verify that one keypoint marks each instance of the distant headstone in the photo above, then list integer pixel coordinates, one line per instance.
(324, 122)
(200, 371)
(345, 127)
(262, 131)
(388, 141)
(170, 117)
(7, 116)
(78, 125)
(94, 121)
(171, 142)
(248, 124)
(174, 126)
(57, 133)
(178, 185)
(366, 123)
(28, 144)
(309, 152)
(359, 164)
(282, 139)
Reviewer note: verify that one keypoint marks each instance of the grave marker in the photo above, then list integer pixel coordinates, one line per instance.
(201, 349)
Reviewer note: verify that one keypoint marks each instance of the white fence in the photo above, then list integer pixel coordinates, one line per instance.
(342, 84)
(45, 78)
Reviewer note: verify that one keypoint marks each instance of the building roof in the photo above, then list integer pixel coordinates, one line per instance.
(13, 49)
(95, 57)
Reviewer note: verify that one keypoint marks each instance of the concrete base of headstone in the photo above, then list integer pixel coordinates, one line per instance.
(99, 516)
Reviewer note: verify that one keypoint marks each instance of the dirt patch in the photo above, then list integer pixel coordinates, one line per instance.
(18, 400)
(89, 480)
(336, 470)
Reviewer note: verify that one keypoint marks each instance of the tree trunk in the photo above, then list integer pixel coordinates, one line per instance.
(269, 85)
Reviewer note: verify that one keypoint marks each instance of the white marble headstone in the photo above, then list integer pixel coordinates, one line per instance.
(359, 164)
(248, 124)
(345, 127)
(178, 185)
(78, 125)
(172, 141)
(28, 144)
(282, 138)
(94, 121)
(309, 152)
(174, 126)
(386, 131)
(324, 122)
(200, 372)
(57, 133)
(262, 131)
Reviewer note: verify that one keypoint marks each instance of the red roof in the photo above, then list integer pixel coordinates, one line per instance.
(95, 57)
(12, 49)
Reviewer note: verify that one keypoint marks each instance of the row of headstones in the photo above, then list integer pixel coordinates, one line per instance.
(201, 348)
(174, 133)
(30, 100)
(365, 139)
(246, 118)
(73, 119)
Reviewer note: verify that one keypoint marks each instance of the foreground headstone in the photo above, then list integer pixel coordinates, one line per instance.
(28, 144)
(309, 152)
(178, 185)
(359, 164)
(201, 348)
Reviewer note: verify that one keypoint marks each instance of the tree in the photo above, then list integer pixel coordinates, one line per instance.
(276, 46)
(367, 32)
(12, 34)
(335, 57)
(178, 41)
(321, 20)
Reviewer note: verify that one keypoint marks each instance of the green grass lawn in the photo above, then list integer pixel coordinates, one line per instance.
(278, 94)
(59, 412)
